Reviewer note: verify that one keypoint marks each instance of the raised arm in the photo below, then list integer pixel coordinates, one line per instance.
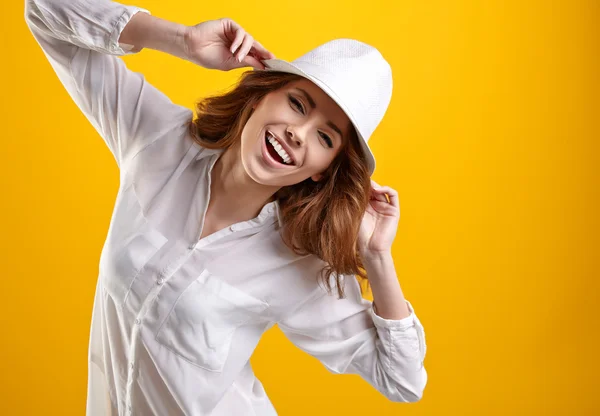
(348, 337)
(80, 39)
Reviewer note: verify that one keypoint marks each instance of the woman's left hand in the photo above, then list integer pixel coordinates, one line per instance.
(380, 221)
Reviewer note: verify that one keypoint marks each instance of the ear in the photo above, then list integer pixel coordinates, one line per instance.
(316, 177)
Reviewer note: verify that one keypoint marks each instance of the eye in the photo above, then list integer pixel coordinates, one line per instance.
(327, 139)
(296, 103)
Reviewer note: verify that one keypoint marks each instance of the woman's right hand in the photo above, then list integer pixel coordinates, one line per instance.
(223, 44)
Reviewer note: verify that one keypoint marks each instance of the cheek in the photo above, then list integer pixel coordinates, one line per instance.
(250, 132)
(321, 157)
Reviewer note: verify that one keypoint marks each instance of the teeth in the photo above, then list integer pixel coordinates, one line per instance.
(286, 158)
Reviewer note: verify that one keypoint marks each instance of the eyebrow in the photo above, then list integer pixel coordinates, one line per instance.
(314, 105)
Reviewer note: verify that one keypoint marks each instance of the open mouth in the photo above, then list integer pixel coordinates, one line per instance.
(277, 153)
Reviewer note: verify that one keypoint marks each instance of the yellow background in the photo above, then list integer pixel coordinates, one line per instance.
(491, 139)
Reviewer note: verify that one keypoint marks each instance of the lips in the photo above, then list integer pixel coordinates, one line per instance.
(268, 159)
(283, 144)
(273, 152)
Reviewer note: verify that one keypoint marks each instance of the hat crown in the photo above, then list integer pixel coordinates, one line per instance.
(355, 75)
(358, 74)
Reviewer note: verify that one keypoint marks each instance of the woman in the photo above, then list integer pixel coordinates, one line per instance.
(244, 218)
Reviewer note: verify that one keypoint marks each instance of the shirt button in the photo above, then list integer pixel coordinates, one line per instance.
(160, 281)
(137, 321)
(232, 228)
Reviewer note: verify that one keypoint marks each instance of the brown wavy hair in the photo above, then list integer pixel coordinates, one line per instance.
(320, 218)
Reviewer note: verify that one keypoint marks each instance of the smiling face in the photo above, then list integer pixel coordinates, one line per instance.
(309, 131)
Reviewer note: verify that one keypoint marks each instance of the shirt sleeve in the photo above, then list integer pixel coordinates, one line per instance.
(348, 337)
(80, 40)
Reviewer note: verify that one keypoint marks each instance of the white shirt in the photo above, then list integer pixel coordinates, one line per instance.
(176, 319)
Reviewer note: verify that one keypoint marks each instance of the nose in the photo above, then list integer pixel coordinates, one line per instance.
(294, 137)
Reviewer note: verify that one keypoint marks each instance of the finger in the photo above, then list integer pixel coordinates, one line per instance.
(233, 32)
(392, 194)
(384, 190)
(379, 197)
(256, 56)
(383, 207)
(262, 51)
(381, 189)
(237, 41)
(245, 47)
(251, 60)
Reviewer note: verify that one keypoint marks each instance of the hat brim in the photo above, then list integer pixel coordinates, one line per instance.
(284, 66)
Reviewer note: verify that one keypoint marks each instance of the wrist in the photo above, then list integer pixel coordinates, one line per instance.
(146, 31)
(377, 258)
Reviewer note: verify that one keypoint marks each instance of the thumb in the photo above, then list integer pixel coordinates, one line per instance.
(248, 60)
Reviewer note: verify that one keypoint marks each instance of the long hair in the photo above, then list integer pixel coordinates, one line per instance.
(320, 218)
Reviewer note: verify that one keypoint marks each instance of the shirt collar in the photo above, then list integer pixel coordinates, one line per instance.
(277, 211)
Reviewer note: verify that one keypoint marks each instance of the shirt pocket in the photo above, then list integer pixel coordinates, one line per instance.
(126, 255)
(200, 326)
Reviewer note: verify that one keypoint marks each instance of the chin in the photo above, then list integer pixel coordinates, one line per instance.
(257, 173)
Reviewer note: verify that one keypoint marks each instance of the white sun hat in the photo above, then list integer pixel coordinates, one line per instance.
(355, 75)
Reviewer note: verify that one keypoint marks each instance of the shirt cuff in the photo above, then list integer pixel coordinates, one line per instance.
(123, 48)
(403, 323)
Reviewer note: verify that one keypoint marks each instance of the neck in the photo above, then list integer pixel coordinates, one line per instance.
(235, 196)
